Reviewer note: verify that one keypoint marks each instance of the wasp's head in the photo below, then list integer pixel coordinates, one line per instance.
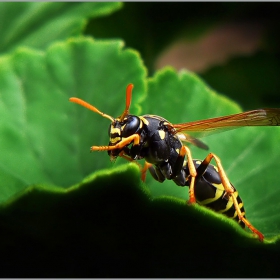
(120, 128)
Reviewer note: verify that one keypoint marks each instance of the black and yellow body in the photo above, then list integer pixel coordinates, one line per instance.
(160, 143)
(210, 192)
(160, 147)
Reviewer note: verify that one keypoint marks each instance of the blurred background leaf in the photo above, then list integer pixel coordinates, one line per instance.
(233, 46)
(38, 24)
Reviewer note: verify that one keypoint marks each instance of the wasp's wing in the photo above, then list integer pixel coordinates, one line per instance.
(190, 139)
(261, 117)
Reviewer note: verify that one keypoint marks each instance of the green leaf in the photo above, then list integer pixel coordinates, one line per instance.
(109, 226)
(39, 24)
(44, 137)
(173, 22)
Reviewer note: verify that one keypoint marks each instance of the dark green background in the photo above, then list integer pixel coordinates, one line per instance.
(251, 80)
(68, 213)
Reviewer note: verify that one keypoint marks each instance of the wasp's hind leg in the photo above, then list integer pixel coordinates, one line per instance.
(229, 189)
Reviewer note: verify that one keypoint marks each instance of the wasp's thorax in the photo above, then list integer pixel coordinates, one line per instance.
(120, 129)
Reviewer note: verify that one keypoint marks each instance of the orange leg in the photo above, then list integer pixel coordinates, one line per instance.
(135, 138)
(143, 169)
(185, 151)
(231, 192)
(147, 165)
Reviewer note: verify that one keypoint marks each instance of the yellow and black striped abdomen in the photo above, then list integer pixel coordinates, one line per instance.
(209, 192)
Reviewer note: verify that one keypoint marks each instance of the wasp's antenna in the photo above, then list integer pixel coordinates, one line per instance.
(127, 102)
(90, 107)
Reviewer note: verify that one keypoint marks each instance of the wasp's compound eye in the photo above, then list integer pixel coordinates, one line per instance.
(131, 126)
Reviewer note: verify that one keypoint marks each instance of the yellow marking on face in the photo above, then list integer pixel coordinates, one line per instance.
(115, 140)
(123, 127)
(145, 121)
(115, 130)
(161, 134)
(198, 162)
(178, 151)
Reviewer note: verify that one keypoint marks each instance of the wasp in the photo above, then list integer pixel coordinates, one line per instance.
(160, 144)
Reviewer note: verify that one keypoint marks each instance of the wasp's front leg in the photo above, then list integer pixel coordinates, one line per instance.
(135, 138)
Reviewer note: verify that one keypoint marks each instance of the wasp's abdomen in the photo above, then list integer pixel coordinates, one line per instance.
(209, 191)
